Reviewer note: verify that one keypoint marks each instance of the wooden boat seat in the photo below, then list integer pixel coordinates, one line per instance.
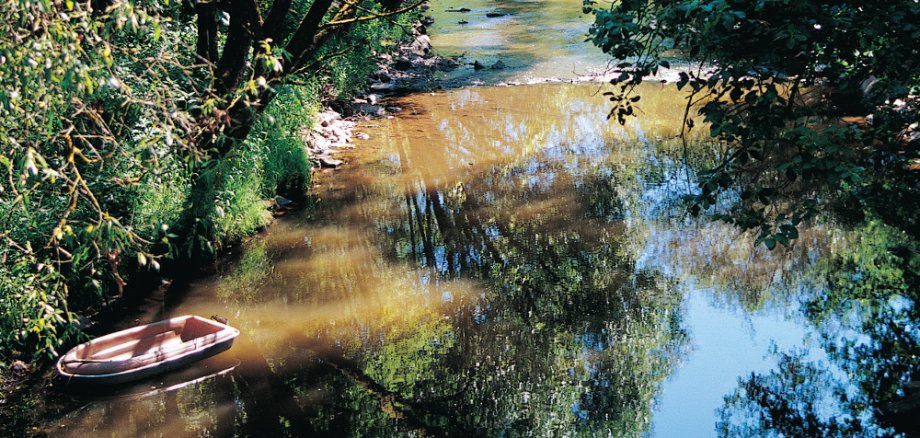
(194, 328)
(138, 347)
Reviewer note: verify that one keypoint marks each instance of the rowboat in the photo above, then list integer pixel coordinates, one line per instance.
(146, 350)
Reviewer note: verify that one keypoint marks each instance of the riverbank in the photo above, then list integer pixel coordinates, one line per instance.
(268, 178)
(485, 232)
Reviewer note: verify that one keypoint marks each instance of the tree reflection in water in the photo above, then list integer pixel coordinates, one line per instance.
(867, 315)
(569, 338)
(515, 270)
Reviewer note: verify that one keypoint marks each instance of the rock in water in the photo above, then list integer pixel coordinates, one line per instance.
(317, 142)
(499, 65)
(421, 46)
(382, 76)
(447, 64)
(380, 86)
(326, 117)
(495, 14)
(478, 65)
(329, 162)
(280, 201)
(370, 110)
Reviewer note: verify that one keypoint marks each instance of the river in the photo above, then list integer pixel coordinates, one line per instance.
(504, 261)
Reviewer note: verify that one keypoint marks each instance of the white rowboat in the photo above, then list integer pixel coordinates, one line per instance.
(146, 350)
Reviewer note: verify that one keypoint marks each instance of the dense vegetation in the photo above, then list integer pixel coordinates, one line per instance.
(812, 104)
(135, 135)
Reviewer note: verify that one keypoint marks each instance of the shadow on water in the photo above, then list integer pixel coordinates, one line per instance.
(501, 261)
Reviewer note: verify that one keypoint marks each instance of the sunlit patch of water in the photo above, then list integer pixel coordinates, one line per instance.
(500, 260)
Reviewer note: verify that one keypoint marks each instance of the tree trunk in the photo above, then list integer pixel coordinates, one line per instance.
(206, 48)
(232, 127)
(245, 27)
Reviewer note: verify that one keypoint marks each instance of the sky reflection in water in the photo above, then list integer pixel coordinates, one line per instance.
(493, 261)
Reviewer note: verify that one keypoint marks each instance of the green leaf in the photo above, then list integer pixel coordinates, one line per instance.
(782, 239)
(682, 80)
(770, 243)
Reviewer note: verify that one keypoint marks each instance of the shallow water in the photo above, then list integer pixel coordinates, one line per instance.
(535, 39)
(493, 261)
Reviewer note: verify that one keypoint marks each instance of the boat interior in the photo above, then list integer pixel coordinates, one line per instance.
(161, 338)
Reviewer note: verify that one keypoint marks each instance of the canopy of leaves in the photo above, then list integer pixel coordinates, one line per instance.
(813, 103)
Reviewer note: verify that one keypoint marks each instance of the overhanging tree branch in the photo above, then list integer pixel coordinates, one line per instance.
(373, 15)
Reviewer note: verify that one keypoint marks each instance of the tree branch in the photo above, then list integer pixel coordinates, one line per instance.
(303, 37)
(274, 21)
(373, 16)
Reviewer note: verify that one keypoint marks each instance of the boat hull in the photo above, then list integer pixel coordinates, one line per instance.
(145, 351)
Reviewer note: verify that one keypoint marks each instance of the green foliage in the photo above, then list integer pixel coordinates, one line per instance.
(232, 202)
(348, 60)
(78, 130)
(32, 314)
(774, 78)
(280, 139)
(107, 137)
(272, 161)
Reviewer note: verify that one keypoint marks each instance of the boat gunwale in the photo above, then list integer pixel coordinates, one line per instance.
(225, 336)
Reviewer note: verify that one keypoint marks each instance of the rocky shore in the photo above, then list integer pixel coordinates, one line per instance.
(411, 67)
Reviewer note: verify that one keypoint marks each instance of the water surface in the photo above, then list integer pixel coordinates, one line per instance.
(535, 39)
(493, 261)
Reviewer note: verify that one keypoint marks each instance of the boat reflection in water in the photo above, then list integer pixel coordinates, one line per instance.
(186, 377)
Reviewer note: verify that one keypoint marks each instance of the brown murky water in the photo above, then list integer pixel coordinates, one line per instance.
(493, 261)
